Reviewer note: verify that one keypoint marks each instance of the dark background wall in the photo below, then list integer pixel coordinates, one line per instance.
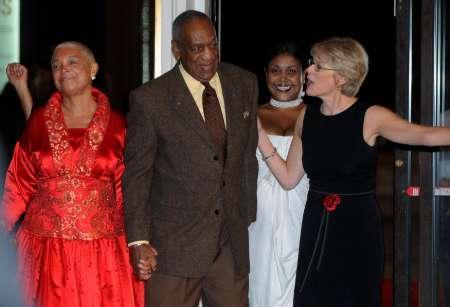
(250, 28)
(48, 22)
(109, 28)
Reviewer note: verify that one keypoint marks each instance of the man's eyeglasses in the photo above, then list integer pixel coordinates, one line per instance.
(318, 67)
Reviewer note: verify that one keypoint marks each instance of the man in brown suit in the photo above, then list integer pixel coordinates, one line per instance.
(190, 178)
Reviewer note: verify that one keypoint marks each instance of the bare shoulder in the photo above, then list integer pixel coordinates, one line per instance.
(303, 107)
(265, 113)
(379, 114)
(264, 108)
(378, 110)
(300, 118)
(302, 110)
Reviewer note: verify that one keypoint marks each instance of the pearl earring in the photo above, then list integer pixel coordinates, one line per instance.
(93, 78)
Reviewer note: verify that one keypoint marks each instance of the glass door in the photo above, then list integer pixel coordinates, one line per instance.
(422, 224)
(405, 165)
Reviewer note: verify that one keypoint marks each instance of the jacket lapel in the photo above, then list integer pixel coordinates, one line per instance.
(186, 108)
(231, 108)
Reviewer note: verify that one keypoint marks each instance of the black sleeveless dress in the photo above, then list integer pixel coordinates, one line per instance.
(341, 246)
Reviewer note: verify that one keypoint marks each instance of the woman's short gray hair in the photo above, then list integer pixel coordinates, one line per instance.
(347, 57)
(74, 44)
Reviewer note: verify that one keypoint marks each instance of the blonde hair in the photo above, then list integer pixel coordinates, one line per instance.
(347, 57)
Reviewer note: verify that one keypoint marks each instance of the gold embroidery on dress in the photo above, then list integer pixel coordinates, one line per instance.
(75, 205)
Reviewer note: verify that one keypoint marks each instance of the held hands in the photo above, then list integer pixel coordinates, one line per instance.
(143, 259)
(17, 74)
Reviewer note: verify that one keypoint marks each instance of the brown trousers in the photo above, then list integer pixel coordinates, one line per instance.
(221, 287)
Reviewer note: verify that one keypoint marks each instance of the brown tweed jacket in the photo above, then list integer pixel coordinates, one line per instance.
(173, 187)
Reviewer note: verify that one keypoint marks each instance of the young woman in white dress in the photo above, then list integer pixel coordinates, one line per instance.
(274, 237)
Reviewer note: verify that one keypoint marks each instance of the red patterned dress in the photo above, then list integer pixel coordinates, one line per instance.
(67, 181)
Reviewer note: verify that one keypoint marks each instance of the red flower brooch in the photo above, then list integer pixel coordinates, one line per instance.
(330, 202)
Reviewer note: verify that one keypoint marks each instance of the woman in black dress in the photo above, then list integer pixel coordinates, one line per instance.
(341, 248)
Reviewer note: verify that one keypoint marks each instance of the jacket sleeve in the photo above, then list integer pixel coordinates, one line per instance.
(140, 150)
(250, 161)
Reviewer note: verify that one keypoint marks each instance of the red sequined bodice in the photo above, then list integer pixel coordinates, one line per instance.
(68, 181)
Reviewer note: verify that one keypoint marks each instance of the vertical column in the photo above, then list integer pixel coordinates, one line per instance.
(403, 156)
(430, 75)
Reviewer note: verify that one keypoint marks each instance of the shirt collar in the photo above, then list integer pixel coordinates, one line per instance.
(196, 85)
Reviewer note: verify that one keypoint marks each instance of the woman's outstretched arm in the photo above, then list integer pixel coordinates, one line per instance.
(380, 121)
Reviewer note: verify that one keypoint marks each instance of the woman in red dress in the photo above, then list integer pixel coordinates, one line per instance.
(65, 178)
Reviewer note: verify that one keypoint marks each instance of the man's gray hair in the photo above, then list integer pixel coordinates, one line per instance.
(182, 19)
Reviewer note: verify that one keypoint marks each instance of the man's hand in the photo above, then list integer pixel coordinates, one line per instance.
(143, 259)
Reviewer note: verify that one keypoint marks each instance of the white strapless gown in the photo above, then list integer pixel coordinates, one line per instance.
(275, 236)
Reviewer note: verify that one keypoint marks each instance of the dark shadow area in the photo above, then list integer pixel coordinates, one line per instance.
(109, 28)
(249, 31)
(12, 122)
(44, 24)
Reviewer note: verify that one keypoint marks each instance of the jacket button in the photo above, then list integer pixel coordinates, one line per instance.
(223, 183)
(217, 211)
(216, 158)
